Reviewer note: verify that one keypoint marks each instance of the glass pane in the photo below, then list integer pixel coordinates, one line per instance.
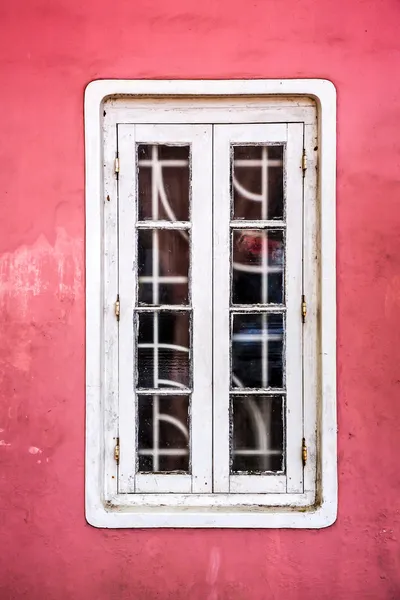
(163, 437)
(258, 264)
(163, 257)
(163, 350)
(257, 433)
(257, 350)
(257, 182)
(163, 182)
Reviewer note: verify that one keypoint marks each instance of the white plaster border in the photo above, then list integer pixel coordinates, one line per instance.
(98, 512)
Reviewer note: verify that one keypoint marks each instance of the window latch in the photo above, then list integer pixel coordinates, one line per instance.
(116, 452)
(116, 166)
(304, 452)
(303, 308)
(304, 162)
(117, 308)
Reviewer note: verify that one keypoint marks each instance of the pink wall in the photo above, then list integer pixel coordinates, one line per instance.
(49, 51)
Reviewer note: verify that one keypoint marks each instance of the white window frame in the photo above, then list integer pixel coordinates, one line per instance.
(247, 101)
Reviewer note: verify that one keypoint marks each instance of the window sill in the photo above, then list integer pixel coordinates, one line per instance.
(256, 517)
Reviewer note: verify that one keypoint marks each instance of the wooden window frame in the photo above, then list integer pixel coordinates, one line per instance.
(257, 101)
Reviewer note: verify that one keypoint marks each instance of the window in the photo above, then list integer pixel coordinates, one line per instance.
(210, 304)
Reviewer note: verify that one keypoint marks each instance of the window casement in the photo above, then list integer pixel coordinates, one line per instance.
(210, 236)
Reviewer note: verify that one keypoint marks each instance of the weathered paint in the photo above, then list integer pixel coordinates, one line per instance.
(49, 51)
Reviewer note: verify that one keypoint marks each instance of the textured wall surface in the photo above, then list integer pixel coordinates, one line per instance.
(49, 51)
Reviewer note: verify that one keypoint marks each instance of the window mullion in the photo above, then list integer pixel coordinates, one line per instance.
(221, 317)
(201, 283)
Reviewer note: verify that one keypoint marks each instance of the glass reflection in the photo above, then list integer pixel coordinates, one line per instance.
(163, 261)
(257, 182)
(163, 182)
(163, 350)
(163, 443)
(258, 266)
(258, 425)
(257, 350)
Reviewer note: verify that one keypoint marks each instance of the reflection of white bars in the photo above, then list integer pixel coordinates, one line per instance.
(264, 336)
(155, 279)
(261, 422)
(163, 279)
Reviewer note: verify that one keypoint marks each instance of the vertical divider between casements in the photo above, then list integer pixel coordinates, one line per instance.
(221, 337)
(202, 340)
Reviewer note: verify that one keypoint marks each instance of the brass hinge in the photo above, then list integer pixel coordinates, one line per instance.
(303, 308)
(117, 308)
(116, 165)
(304, 162)
(116, 452)
(304, 452)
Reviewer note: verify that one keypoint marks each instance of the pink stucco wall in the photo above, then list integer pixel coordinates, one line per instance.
(49, 51)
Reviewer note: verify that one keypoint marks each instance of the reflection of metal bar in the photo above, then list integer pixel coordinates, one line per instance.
(158, 195)
(165, 452)
(164, 279)
(261, 423)
(254, 162)
(263, 269)
(175, 422)
(257, 337)
(173, 384)
(257, 308)
(155, 273)
(162, 345)
(151, 308)
(163, 163)
(243, 391)
(184, 391)
(256, 452)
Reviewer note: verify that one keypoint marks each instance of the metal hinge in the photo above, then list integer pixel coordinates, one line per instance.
(117, 308)
(304, 452)
(116, 452)
(116, 165)
(304, 162)
(303, 308)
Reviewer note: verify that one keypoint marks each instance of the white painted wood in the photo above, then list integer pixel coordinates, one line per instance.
(293, 285)
(257, 484)
(285, 93)
(127, 297)
(110, 326)
(199, 137)
(327, 448)
(311, 283)
(174, 502)
(220, 111)
(221, 316)
(160, 484)
(224, 136)
(202, 282)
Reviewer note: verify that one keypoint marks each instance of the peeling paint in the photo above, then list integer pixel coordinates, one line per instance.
(32, 271)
